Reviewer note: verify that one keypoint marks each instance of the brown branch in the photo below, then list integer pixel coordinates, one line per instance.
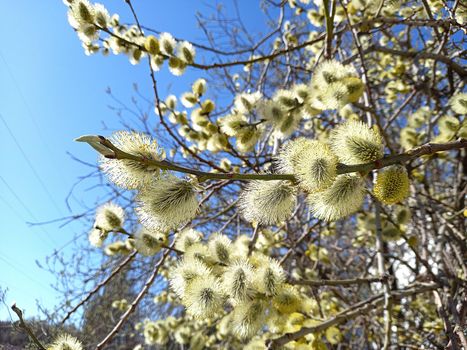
(135, 302)
(24, 326)
(423, 55)
(100, 285)
(353, 311)
(344, 282)
(429, 148)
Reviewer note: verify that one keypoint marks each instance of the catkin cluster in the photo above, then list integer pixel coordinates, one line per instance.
(100, 32)
(219, 274)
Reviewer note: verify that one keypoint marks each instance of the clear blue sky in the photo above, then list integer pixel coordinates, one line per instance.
(50, 93)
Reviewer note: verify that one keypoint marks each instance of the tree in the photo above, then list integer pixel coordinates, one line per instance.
(322, 204)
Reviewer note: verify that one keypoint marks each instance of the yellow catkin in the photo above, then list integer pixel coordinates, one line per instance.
(392, 185)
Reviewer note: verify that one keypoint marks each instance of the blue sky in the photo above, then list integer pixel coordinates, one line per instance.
(50, 93)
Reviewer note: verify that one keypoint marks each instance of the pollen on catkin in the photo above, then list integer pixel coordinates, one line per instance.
(335, 85)
(109, 216)
(65, 342)
(316, 167)
(355, 143)
(267, 202)
(246, 102)
(344, 197)
(186, 52)
(167, 203)
(392, 184)
(82, 11)
(132, 174)
(167, 43)
(234, 124)
(199, 252)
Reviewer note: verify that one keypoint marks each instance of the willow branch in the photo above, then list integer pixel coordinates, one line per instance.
(24, 326)
(343, 282)
(113, 152)
(135, 302)
(382, 272)
(353, 311)
(423, 55)
(100, 285)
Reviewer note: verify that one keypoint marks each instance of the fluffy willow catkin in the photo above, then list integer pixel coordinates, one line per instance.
(167, 203)
(355, 143)
(344, 197)
(237, 281)
(109, 217)
(127, 173)
(187, 238)
(316, 167)
(65, 342)
(287, 299)
(248, 318)
(202, 296)
(149, 242)
(336, 85)
(291, 153)
(184, 273)
(458, 103)
(220, 248)
(267, 202)
(392, 184)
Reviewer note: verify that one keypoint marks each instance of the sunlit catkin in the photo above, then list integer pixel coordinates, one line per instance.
(202, 297)
(392, 184)
(132, 174)
(220, 248)
(459, 103)
(237, 280)
(184, 274)
(355, 143)
(344, 197)
(65, 342)
(149, 242)
(248, 318)
(316, 167)
(167, 203)
(268, 277)
(291, 153)
(267, 202)
(287, 299)
(109, 217)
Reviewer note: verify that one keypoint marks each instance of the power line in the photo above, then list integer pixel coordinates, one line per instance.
(35, 173)
(21, 218)
(25, 102)
(25, 274)
(25, 207)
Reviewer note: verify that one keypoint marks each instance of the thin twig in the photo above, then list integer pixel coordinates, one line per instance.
(135, 302)
(100, 285)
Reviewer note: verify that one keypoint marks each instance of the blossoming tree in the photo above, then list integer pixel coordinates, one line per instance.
(321, 207)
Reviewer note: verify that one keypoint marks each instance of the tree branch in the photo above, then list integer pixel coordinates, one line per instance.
(28, 330)
(353, 311)
(429, 148)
